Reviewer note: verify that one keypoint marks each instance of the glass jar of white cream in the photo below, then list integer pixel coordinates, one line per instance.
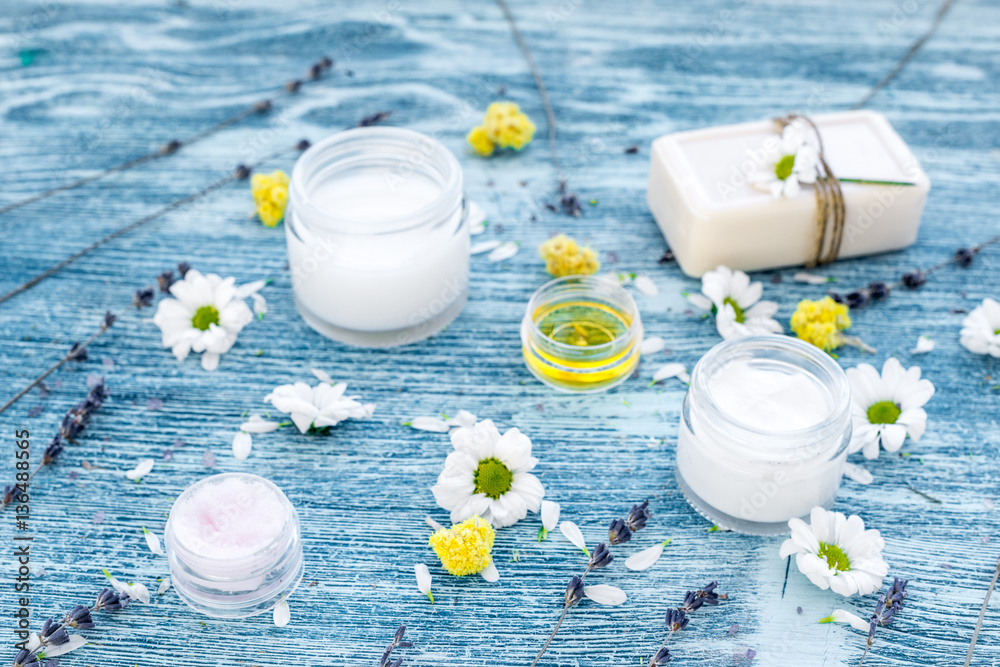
(378, 242)
(233, 545)
(764, 433)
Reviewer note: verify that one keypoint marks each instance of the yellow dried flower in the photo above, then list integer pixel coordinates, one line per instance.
(466, 547)
(821, 323)
(504, 126)
(270, 196)
(564, 257)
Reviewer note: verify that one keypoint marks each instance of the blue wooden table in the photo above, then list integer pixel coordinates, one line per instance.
(85, 85)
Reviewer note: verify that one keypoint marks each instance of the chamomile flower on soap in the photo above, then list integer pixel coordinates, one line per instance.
(489, 475)
(205, 315)
(467, 548)
(270, 196)
(887, 407)
(836, 552)
(981, 329)
(318, 407)
(795, 162)
(735, 302)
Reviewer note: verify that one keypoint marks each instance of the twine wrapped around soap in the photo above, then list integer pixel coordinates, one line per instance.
(830, 212)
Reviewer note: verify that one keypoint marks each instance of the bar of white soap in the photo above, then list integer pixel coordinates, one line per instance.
(710, 215)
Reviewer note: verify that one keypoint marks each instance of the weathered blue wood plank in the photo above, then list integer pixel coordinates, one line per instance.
(114, 82)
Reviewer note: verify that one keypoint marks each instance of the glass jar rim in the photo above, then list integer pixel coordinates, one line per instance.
(619, 293)
(177, 545)
(796, 439)
(451, 181)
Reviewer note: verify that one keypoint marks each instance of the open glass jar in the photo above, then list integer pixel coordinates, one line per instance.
(581, 334)
(378, 241)
(233, 545)
(764, 433)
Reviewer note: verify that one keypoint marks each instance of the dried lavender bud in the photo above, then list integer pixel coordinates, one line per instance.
(857, 299)
(8, 493)
(400, 631)
(571, 205)
(878, 290)
(25, 658)
(263, 106)
(165, 280)
(692, 602)
(964, 257)
(662, 657)
(53, 633)
(709, 595)
(110, 600)
(143, 298)
(601, 557)
(666, 257)
(574, 591)
(79, 617)
(619, 532)
(677, 620)
(836, 297)
(914, 279)
(109, 319)
(53, 451)
(171, 146)
(242, 172)
(374, 119)
(631, 150)
(303, 144)
(316, 71)
(326, 62)
(183, 269)
(293, 85)
(638, 516)
(77, 353)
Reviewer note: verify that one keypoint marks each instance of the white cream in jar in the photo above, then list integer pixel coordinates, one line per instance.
(378, 242)
(764, 433)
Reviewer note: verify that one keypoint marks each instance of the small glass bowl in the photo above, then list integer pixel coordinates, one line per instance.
(598, 310)
(233, 545)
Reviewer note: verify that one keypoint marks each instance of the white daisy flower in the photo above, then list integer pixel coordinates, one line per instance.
(205, 315)
(836, 552)
(489, 475)
(887, 407)
(795, 162)
(981, 329)
(320, 406)
(736, 304)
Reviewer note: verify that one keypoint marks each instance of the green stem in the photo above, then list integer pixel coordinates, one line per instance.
(870, 181)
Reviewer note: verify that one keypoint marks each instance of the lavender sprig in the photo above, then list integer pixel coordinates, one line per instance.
(73, 423)
(54, 633)
(397, 642)
(982, 614)
(677, 617)
(888, 605)
(619, 532)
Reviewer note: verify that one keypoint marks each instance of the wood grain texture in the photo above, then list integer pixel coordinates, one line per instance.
(114, 81)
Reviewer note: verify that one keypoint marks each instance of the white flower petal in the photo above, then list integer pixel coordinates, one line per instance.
(490, 573)
(550, 514)
(138, 592)
(164, 586)
(604, 594)
(858, 474)
(646, 285)
(75, 642)
(434, 424)
(645, 559)
(505, 251)
(476, 218)
(652, 345)
(672, 370)
(844, 616)
(152, 541)
(282, 614)
(256, 424)
(811, 278)
(484, 246)
(423, 578)
(699, 301)
(242, 443)
(249, 289)
(141, 469)
(322, 375)
(924, 345)
(572, 532)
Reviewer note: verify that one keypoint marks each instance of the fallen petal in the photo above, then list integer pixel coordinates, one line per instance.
(490, 573)
(506, 251)
(810, 278)
(75, 642)
(322, 376)
(550, 514)
(484, 246)
(423, 578)
(646, 558)
(652, 345)
(141, 470)
(646, 285)
(242, 443)
(433, 424)
(572, 532)
(282, 614)
(604, 594)
(924, 345)
(844, 616)
(673, 370)
(857, 473)
(152, 541)
(164, 586)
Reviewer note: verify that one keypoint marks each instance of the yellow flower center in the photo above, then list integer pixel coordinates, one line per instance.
(835, 557)
(883, 412)
(205, 317)
(466, 547)
(492, 478)
(783, 169)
